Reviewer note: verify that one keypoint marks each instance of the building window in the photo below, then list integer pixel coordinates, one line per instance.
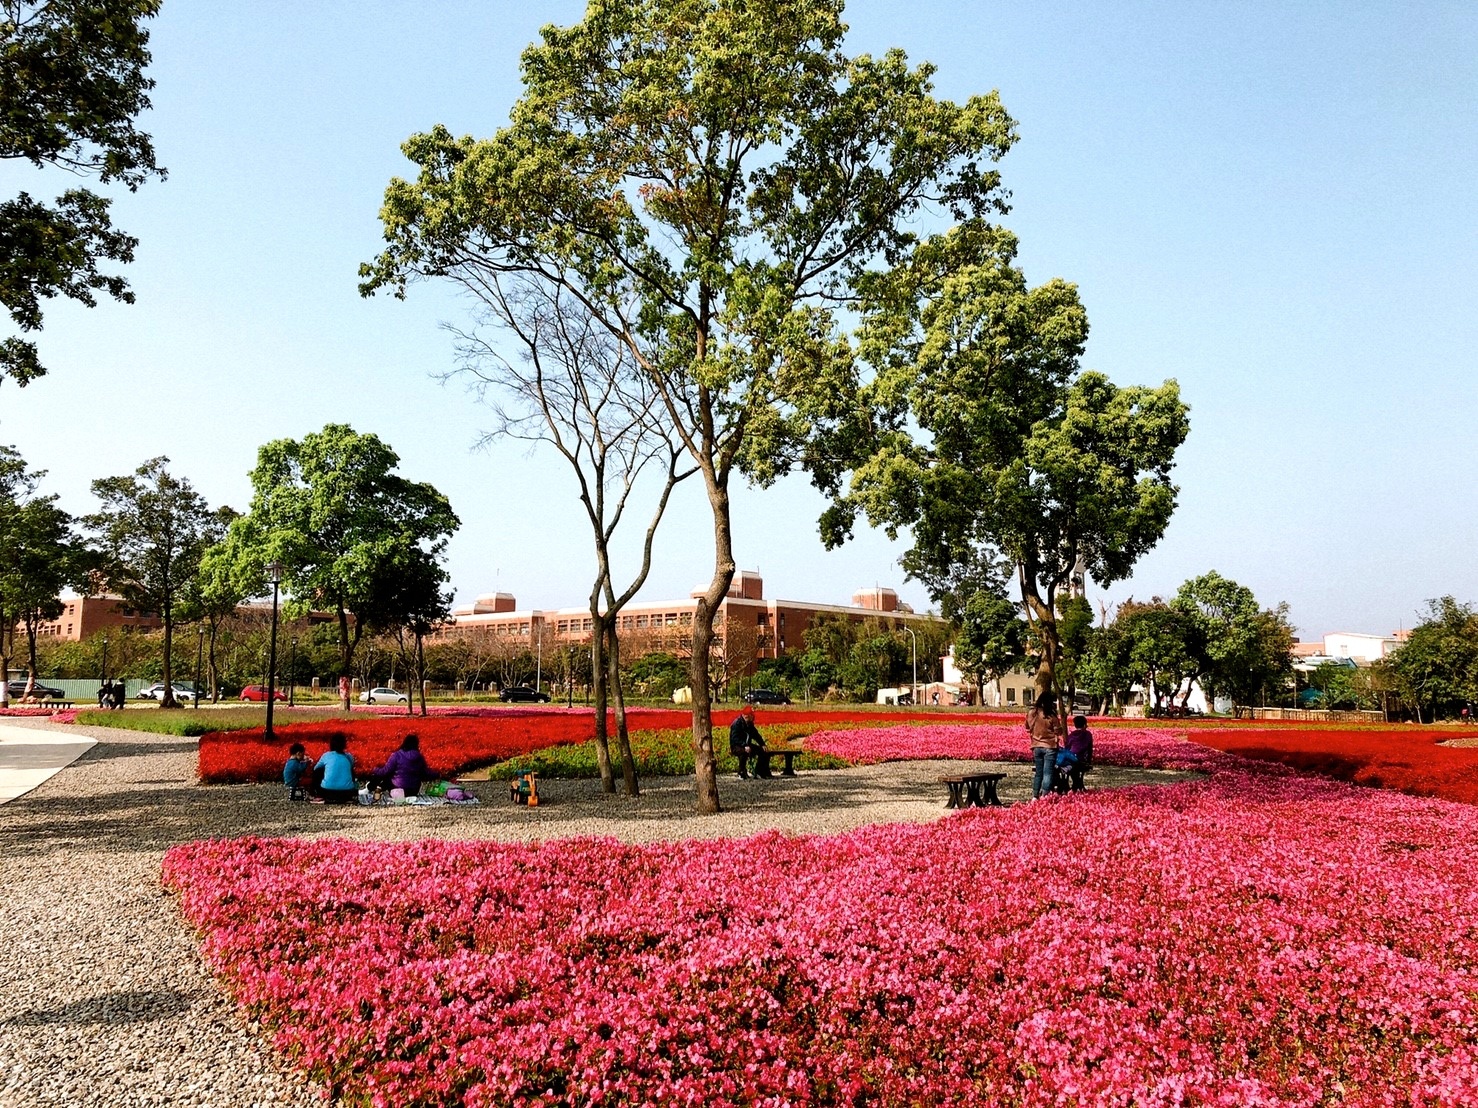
(671, 619)
(1011, 696)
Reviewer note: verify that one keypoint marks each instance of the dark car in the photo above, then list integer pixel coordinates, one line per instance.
(259, 692)
(765, 696)
(515, 693)
(38, 690)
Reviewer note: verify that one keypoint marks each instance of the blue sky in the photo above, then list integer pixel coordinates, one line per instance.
(1273, 204)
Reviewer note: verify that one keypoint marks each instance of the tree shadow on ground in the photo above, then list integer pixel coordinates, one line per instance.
(108, 1009)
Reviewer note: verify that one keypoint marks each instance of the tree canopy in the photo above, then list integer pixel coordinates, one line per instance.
(152, 530)
(1247, 651)
(72, 85)
(343, 525)
(1436, 668)
(716, 181)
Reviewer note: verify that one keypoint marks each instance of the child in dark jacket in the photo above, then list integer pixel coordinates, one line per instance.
(1076, 755)
(294, 770)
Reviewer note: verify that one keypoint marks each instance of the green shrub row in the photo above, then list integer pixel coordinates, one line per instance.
(657, 753)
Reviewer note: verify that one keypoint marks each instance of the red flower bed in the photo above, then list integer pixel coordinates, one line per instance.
(1406, 759)
(453, 743)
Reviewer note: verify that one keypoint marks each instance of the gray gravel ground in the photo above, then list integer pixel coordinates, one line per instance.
(104, 999)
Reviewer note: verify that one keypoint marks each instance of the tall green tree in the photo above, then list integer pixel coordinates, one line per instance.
(332, 511)
(991, 640)
(224, 580)
(72, 85)
(421, 602)
(1165, 648)
(998, 443)
(152, 530)
(40, 556)
(1248, 651)
(1436, 669)
(17, 484)
(713, 179)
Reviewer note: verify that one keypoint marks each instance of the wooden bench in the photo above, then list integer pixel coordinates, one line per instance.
(974, 790)
(790, 754)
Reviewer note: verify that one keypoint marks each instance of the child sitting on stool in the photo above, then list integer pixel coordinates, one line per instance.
(1076, 754)
(293, 771)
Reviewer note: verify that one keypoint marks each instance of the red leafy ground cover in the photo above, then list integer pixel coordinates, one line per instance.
(456, 743)
(450, 744)
(1406, 759)
(1252, 938)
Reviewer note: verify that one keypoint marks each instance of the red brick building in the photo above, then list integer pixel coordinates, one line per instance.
(748, 627)
(85, 616)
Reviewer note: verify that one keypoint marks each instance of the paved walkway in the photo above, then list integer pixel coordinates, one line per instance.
(29, 756)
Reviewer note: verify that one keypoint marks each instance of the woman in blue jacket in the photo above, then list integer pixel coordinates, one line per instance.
(334, 774)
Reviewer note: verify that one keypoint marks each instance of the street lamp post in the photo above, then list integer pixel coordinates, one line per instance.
(292, 674)
(539, 662)
(915, 638)
(274, 572)
(199, 658)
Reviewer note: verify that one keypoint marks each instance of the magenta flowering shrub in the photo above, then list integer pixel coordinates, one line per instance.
(1244, 939)
(1151, 749)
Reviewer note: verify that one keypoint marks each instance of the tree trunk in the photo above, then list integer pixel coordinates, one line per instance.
(346, 661)
(212, 668)
(168, 700)
(623, 738)
(30, 658)
(602, 691)
(705, 766)
(421, 671)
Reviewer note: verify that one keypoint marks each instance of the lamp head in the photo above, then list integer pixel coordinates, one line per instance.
(274, 572)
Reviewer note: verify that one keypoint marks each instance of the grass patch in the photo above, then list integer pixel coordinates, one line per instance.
(191, 724)
(658, 754)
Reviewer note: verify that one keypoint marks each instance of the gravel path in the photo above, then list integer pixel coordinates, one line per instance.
(104, 999)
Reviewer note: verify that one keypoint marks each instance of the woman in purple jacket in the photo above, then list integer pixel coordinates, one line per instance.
(406, 768)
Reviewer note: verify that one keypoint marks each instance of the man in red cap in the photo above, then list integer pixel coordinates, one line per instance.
(745, 741)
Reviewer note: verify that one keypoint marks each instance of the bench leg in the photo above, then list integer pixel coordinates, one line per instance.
(789, 770)
(991, 800)
(956, 800)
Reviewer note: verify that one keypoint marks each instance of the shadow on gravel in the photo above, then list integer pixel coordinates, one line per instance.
(105, 751)
(133, 819)
(110, 1009)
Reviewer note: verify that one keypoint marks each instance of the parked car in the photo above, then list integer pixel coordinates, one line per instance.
(382, 696)
(765, 696)
(259, 692)
(156, 692)
(522, 693)
(38, 690)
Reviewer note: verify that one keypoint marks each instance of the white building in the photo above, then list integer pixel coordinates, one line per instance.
(1360, 647)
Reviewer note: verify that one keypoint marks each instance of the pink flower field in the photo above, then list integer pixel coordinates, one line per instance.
(1250, 938)
(999, 742)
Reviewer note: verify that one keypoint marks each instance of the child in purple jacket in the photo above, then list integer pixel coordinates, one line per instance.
(1076, 755)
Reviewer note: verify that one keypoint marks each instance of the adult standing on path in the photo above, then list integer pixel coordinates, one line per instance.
(1044, 726)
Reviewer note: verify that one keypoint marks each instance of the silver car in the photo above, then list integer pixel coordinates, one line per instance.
(382, 696)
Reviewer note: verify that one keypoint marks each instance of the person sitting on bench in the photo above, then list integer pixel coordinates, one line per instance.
(1076, 756)
(406, 769)
(745, 742)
